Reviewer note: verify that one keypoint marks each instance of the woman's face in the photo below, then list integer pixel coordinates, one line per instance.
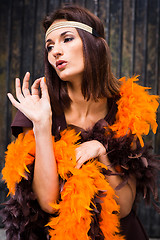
(65, 53)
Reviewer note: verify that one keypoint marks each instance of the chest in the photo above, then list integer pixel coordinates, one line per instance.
(84, 121)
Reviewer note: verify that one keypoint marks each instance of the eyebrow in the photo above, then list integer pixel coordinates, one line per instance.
(61, 35)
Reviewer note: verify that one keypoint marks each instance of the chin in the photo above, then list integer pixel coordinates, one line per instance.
(64, 79)
(63, 75)
(71, 77)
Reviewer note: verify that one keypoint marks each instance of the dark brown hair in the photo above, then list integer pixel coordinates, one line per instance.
(98, 80)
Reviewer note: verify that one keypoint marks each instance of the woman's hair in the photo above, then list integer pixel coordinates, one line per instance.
(98, 80)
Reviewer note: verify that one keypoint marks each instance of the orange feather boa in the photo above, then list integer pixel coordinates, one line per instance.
(136, 110)
(19, 154)
(77, 195)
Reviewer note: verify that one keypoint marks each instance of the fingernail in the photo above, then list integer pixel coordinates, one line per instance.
(44, 79)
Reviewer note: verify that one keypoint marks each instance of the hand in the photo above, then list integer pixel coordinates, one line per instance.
(37, 109)
(89, 150)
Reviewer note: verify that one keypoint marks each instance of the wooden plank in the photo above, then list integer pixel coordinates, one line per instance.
(4, 54)
(16, 46)
(28, 30)
(139, 45)
(127, 38)
(90, 5)
(53, 5)
(38, 61)
(5, 27)
(114, 34)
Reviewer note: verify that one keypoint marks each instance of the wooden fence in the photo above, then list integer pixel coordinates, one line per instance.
(132, 31)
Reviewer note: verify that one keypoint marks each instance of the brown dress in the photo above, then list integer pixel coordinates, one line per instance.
(130, 225)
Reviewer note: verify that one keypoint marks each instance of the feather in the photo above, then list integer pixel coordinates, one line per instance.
(16, 160)
(145, 162)
(77, 195)
(136, 110)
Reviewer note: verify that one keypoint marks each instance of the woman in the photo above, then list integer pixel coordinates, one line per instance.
(78, 92)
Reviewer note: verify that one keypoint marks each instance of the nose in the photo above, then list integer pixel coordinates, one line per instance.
(57, 50)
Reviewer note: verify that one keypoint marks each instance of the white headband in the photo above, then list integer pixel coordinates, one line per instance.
(72, 24)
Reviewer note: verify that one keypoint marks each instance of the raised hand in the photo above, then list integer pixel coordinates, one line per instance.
(89, 150)
(36, 108)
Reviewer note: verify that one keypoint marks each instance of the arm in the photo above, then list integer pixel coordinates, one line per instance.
(38, 110)
(126, 195)
(45, 181)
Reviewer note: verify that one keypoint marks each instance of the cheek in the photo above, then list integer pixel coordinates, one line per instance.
(79, 57)
(51, 61)
(82, 62)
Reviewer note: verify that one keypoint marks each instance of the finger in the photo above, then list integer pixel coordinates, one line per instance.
(25, 86)
(78, 153)
(13, 101)
(44, 88)
(35, 87)
(81, 150)
(81, 161)
(79, 164)
(19, 94)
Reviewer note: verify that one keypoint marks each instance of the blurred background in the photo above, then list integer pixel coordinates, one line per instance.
(132, 30)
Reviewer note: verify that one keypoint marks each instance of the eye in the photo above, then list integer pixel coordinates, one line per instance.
(68, 39)
(49, 48)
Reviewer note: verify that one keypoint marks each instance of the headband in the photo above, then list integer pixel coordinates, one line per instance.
(72, 24)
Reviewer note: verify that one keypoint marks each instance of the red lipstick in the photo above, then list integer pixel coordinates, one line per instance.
(61, 64)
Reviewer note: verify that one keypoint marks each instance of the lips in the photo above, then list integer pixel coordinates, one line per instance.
(60, 64)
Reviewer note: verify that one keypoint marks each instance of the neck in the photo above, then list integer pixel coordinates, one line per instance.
(84, 113)
(78, 100)
(74, 91)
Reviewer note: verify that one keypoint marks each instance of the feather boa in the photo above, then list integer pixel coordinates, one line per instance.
(77, 195)
(19, 155)
(136, 113)
(136, 110)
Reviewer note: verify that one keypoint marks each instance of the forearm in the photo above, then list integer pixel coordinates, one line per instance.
(126, 194)
(45, 180)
